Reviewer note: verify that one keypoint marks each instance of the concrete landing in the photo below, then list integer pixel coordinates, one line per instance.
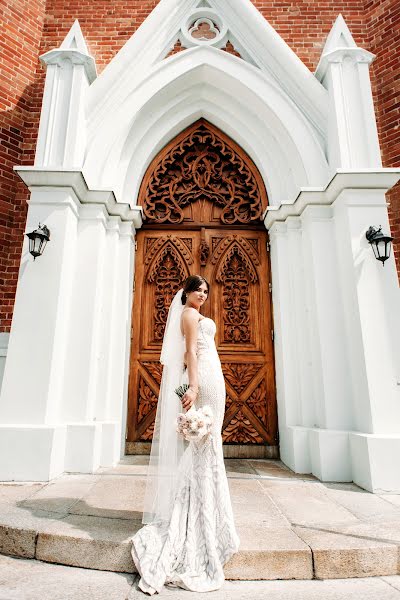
(290, 526)
(22, 579)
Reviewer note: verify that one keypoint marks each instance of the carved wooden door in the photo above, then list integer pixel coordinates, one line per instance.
(240, 304)
(203, 200)
(236, 266)
(163, 261)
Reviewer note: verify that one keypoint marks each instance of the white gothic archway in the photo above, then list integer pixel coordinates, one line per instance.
(287, 148)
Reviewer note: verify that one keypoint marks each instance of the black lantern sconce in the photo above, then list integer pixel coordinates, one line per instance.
(38, 240)
(380, 243)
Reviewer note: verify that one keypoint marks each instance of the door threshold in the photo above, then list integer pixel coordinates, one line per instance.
(230, 450)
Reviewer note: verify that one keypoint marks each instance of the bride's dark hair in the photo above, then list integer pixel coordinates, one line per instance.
(192, 284)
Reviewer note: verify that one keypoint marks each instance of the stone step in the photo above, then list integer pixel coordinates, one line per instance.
(289, 527)
(35, 580)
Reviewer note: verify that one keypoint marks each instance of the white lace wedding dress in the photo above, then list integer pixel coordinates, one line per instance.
(191, 550)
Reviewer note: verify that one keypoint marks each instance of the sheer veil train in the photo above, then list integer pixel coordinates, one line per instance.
(167, 447)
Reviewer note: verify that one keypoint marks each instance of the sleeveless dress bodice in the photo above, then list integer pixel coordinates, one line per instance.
(211, 381)
(206, 348)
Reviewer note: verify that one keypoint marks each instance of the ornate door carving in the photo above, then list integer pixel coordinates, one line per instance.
(240, 304)
(203, 199)
(164, 260)
(202, 177)
(235, 263)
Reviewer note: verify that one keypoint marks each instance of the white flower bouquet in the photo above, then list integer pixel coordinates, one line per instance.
(194, 424)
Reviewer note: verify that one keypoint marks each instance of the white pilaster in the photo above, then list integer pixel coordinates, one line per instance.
(344, 70)
(354, 324)
(110, 283)
(62, 129)
(120, 343)
(114, 347)
(373, 334)
(31, 387)
(302, 316)
(330, 374)
(80, 384)
(30, 402)
(329, 382)
(293, 450)
(63, 301)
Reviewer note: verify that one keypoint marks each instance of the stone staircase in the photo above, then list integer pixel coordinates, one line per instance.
(290, 526)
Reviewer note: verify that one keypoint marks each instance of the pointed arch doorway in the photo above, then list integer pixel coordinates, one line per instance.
(203, 200)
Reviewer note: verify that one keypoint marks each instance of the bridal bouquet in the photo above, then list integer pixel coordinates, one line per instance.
(194, 424)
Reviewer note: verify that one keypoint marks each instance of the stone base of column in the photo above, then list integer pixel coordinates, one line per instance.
(331, 455)
(91, 445)
(43, 452)
(375, 459)
(31, 452)
(323, 452)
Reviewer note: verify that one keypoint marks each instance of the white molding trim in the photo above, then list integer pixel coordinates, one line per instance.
(35, 177)
(368, 179)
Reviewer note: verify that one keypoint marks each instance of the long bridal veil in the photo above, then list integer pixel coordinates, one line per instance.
(167, 446)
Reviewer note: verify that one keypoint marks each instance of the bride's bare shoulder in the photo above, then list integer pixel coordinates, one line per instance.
(190, 317)
(190, 314)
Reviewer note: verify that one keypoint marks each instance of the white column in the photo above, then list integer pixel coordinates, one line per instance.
(120, 342)
(115, 340)
(353, 320)
(301, 317)
(373, 334)
(4, 337)
(52, 396)
(81, 375)
(62, 128)
(110, 283)
(32, 385)
(344, 70)
(332, 384)
(293, 446)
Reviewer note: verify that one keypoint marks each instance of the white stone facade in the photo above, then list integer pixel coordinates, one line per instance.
(313, 137)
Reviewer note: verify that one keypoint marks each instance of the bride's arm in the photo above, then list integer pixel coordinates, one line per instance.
(189, 324)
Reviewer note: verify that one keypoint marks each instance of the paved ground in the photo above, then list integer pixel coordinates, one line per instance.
(22, 579)
(290, 526)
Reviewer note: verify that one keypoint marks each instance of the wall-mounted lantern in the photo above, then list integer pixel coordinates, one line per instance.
(380, 243)
(38, 240)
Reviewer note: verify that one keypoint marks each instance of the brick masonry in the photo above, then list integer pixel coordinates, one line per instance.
(31, 28)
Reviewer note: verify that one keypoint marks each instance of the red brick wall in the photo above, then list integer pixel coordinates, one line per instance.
(32, 28)
(383, 26)
(305, 24)
(20, 35)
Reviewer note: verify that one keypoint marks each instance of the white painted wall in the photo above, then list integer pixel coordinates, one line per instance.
(4, 337)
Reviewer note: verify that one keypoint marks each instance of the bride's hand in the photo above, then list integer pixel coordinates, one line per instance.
(188, 399)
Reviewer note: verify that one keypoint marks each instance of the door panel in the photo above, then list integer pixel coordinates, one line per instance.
(236, 265)
(163, 260)
(240, 303)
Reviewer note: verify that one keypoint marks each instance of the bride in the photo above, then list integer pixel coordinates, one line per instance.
(189, 531)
